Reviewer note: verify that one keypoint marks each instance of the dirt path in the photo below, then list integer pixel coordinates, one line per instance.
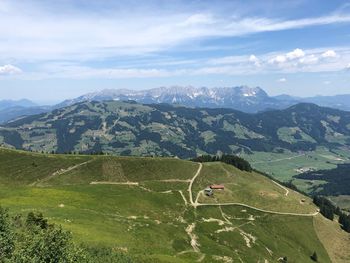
(284, 188)
(116, 183)
(258, 209)
(183, 197)
(191, 183)
(60, 172)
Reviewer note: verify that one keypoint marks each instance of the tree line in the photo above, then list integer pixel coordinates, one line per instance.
(328, 209)
(234, 160)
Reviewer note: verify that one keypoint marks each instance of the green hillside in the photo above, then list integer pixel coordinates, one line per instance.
(142, 207)
(282, 143)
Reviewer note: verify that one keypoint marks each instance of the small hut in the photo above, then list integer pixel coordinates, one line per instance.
(208, 191)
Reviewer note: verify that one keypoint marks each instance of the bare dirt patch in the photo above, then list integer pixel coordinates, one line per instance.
(248, 238)
(268, 194)
(194, 239)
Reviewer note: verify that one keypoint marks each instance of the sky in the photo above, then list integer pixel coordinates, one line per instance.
(54, 50)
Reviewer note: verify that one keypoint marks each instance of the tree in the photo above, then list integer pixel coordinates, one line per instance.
(327, 208)
(314, 257)
(36, 241)
(33, 240)
(48, 245)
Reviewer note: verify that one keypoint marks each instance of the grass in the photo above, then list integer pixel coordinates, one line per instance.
(342, 201)
(149, 220)
(123, 169)
(335, 240)
(18, 168)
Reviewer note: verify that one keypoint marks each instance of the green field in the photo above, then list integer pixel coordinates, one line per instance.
(141, 206)
(283, 166)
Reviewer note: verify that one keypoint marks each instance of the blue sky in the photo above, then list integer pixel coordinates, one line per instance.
(53, 50)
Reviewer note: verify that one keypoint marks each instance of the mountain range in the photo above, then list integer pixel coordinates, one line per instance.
(130, 128)
(242, 98)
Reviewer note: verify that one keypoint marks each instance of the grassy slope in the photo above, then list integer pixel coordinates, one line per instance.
(149, 222)
(22, 168)
(250, 188)
(335, 240)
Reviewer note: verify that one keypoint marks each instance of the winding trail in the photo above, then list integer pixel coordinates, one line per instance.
(191, 183)
(258, 209)
(285, 188)
(60, 172)
(183, 197)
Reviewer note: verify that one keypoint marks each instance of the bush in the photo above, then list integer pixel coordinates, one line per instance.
(36, 241)
(314, 257)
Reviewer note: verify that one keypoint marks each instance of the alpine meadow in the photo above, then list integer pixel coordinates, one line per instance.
(174, 131)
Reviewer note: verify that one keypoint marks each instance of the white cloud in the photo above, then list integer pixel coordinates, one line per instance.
(329, 54)
(230, 65)
(253, 59)
(309, 61)
(36, 35)
(327, 82)
(296, 53)
(278, 59)
(9, 70)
